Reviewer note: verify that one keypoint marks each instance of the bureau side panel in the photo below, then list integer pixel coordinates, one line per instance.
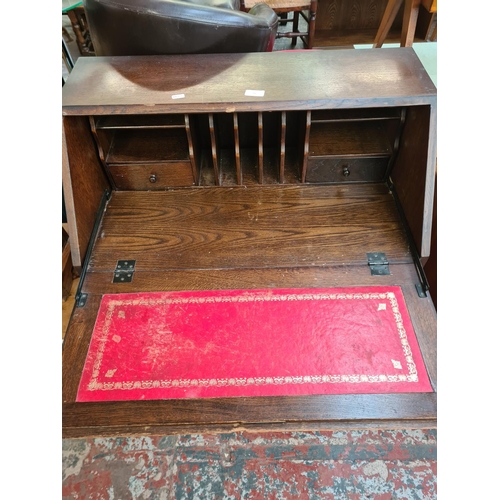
(84, 183)
(414, 171)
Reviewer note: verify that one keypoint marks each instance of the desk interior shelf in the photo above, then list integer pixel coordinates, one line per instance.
(352, 145)
(246, 148)
(146, 152)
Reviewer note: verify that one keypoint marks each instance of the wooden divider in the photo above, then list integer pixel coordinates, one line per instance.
(193, 153)
(261, 147)
(235, 143)
(237, 157)
(282, 147)
(214, 144)
(306, 146)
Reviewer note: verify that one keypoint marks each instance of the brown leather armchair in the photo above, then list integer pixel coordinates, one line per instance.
(156, 27)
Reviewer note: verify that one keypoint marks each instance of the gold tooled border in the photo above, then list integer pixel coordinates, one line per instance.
(95, 385)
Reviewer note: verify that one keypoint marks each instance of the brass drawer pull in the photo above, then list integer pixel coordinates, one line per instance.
(346, 171)
(152, 178)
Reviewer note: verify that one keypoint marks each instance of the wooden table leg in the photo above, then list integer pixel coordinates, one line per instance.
(409, 22)
(387, 19)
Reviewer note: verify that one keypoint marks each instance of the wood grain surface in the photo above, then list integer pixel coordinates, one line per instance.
(249, 278)
(413, 173)
(253, 227)
(278, 426)
(81, 419)
(224, 235)
(357, 138)
(217, 83)
(345, 23)
(143, 145)
(150, 176)
(350, 15)
(84, 183)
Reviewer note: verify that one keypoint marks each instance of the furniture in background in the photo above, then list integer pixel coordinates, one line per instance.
(76, 13)
(348, 23)
(179, 27)
(66, 57)
(300, 8)
(67, 6)
(287, 187)
(410, 16)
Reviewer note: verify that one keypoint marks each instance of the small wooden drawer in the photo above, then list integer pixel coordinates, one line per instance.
(346, 169)
(152, 176)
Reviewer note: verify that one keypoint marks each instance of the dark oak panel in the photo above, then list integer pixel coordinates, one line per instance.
(346, 169)
(140, 121)
(75, 346)
(131, 85)
(274, 226)
(413, 173)
(297, 426)
(239, 411)
(248, 278)
(350, 138)
(143, 145)
(84, 183)
(150, 176)
(351, 115)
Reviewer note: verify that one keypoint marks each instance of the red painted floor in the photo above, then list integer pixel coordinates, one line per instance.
(340, 465)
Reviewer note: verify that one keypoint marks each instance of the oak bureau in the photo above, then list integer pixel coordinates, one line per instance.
(263, 170)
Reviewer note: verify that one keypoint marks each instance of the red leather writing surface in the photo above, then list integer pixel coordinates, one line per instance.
(227, 343)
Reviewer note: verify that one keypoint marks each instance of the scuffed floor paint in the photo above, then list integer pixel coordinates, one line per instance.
(339, 465)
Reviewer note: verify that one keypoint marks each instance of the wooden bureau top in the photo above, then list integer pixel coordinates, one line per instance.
(294, 80)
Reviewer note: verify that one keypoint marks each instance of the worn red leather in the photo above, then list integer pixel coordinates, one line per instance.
(201, 344)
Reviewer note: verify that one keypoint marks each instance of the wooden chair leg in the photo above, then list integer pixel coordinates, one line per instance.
(312, 23)
(434, 35)
(295, 28)
(409, 22)
(387, 19)
(75, 24)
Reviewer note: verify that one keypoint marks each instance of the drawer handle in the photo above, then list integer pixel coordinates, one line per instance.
(346, 171)
(152, 178)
